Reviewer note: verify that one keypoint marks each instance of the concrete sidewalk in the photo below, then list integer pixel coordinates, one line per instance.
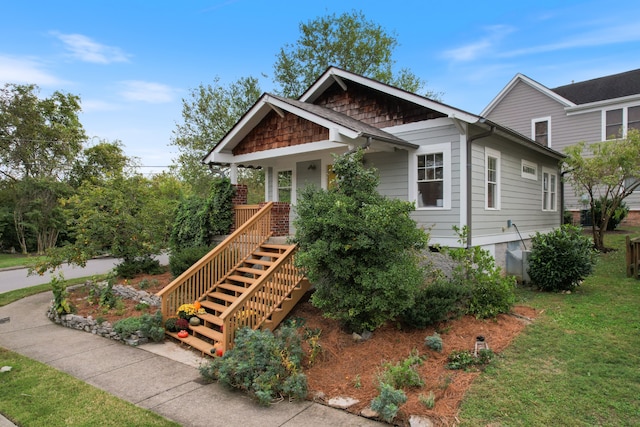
(160, 377)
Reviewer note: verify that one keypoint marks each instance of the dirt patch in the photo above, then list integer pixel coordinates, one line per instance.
(346, 368)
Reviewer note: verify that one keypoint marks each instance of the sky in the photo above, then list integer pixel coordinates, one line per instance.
(132, 63)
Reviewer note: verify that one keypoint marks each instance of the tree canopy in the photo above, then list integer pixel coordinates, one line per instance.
(348, 41)
(606, 171)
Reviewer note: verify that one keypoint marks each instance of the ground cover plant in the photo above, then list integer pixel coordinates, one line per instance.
(577, 364)
(34, 394)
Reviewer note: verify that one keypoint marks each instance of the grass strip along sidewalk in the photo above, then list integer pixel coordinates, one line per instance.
(577, 365)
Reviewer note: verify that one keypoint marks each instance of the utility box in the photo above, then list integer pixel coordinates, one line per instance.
(518, 264)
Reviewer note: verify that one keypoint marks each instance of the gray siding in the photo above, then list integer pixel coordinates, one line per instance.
(392, 170)
(307, 173)
(520, 198)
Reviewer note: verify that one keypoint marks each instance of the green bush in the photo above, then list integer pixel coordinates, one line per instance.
(434, 342)
(436, 302)
(388, 402)
(464, 359)
(171, 324)
(181, 259)
(561, 259)
(403, 373)
(491, 293)
(149, 326)
(61, 303)
(262, 363)
(358, 248)
(129, 268)
(619, 214)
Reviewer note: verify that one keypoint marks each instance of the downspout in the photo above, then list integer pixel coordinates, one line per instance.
(469, 180)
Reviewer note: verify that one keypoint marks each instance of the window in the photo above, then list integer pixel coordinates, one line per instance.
(492, 175)
(431, 180)
(617, 122)
(613, 128)
(529, 170)
(284, 186)
(549, 190)
(541, 131)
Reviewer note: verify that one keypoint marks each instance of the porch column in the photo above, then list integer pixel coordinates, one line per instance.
(233, 173)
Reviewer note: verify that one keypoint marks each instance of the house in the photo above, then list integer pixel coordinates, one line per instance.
(458, 168)
(591, 111)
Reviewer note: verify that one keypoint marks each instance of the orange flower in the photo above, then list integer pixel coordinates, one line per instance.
(197, 305)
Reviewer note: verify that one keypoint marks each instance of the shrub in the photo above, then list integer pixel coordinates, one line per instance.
(434, 342)
(465, 359)
(560, 259)
(127, 327)
(436, 302)
(491, 293)
(171, 324)
(429, 401)
(181, 259)
(60, 302)
(403, 373)
(619, 214)
(151, 326)
(357, 248)
(141, 265)
(388, 402)
(262, 363)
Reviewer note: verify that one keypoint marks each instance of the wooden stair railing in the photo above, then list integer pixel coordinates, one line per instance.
(258, 293)
(214, 266)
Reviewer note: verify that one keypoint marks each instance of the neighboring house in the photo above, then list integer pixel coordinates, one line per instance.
(458, 168)
(591, 111)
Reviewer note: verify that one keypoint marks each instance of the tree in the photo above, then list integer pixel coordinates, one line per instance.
(209, 113)
(357, 248)
(608, 171)
(38, 137)
(99, 162)
(347, 41)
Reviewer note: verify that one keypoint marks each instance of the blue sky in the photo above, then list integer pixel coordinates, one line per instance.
(132, 62)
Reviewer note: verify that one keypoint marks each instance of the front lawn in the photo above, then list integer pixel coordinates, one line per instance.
(18, 260)
(577, 364)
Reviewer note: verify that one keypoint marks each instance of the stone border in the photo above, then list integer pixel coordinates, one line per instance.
(105, 329)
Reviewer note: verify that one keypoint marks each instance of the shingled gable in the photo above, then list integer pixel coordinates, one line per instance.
(341, 108)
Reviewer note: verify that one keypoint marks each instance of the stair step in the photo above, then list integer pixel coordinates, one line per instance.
(222, 296)
(256, 261)
(211, 319)
(232, 287)
(276, 246)
(267, 254)
(204, 346)
(249, 270)
(207, 332)
(213, 306)
(243, 279)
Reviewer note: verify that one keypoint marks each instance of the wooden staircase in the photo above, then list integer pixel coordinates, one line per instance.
(258, 288)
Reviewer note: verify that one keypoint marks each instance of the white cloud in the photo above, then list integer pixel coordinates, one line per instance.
(26, 71)
(93, 105)
(153, 93)
(87, 50)
(483, 46)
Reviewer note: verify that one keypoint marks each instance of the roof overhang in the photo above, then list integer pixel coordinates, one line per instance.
(520, 139)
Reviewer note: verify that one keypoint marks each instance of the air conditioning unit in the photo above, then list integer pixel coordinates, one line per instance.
(518, 264)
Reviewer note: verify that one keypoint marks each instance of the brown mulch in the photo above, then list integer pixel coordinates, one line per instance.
(346, 368)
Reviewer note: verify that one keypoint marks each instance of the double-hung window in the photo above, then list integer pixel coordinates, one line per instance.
(432, 166)
(492, 179)
(549, 190)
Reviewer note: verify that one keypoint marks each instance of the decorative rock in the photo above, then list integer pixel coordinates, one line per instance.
(369, 413)
(356, 337)
(366, 335)
(5, 369)
(419, 421)
(319, 396)
(342, 402)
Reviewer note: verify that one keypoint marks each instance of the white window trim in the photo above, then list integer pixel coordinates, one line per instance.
(276, 188)
(489, 152)
(526, 175)
(554, 173)
(533, 128)
(445, 149)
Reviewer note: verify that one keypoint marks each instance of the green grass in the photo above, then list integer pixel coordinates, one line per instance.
(17, 260)
(577, 365)
(33, 394)
(15, 295)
